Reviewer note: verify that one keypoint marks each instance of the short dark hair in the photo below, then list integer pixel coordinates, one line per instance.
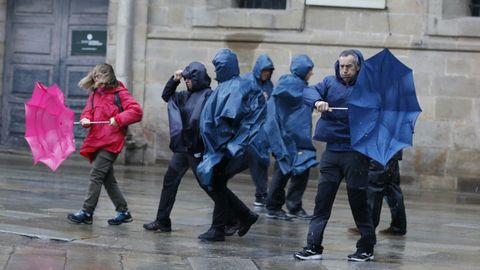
(352, 53)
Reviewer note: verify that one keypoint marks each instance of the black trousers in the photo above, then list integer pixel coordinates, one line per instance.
(179, 164)
(386, 184)
(334, 166)
(276, 195)
(259, 174)
(227, 205)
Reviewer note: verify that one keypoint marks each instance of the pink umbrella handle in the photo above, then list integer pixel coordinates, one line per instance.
(94, 122)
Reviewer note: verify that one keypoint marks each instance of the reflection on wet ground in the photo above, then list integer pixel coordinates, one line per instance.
(443, 227)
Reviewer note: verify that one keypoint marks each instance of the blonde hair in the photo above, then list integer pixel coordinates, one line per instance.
(100, 74)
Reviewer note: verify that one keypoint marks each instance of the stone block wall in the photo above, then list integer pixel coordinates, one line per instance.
(3, 19)
(447, 75)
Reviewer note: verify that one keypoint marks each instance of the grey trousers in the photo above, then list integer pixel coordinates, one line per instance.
(102, 174)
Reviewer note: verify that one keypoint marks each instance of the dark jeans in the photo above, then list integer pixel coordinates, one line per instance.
(259, 174)
(296, 188)
(179, 164)
(386, 184)
(102, 174)
(227, 205)
(334, 166)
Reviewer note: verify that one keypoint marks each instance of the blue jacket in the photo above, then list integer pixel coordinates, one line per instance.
(289, 120)
(263, 63)
(231, 118)
(184, 109)
(333, 127)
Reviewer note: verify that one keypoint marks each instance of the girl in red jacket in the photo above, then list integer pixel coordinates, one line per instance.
(109, 101)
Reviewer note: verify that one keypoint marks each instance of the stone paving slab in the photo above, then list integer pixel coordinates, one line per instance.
(221, 263)
(442, 227)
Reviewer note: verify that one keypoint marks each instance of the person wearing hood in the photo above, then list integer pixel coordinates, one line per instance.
(290, 141)
(260, 78)
(184, 108)
(229, 124)
(339, 160)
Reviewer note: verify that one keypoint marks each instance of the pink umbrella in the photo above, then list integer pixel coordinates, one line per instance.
(49, 126)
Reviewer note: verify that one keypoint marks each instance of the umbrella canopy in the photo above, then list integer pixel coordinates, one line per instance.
(49, 126)
(383, 107)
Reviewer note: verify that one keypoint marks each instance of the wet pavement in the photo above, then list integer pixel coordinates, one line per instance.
(443, 227)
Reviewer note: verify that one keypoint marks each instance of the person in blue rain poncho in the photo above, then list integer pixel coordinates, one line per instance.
(230, 123)
(260, 77)
(289, 125)
(339, 160)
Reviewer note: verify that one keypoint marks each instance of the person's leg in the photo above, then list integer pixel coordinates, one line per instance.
(259, 174)
(171, 181)
(102, 165)
(276, 191)
(355, 167)
(394, 198)
(330, 177)
(177, 168)
(296, 189)
(376, 191)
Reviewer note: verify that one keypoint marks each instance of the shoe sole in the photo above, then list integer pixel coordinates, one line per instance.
(160, 230)
(79, 222)
(277, 217)
(360, 260)
(303, 258)
(259, 204)
(125, 221)
(212, 240)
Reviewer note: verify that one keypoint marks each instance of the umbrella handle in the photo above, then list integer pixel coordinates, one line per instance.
(94, 122)
(338, 108)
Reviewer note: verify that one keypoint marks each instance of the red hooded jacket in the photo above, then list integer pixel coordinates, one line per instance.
(104, 136)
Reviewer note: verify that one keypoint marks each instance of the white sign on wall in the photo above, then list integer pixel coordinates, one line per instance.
(379, 4)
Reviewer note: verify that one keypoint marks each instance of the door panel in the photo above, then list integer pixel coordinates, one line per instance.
(38, 48)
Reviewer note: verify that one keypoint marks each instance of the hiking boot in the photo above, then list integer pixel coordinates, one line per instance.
(260, 202)
(230, 230)
(392, 231)
(300, 214)
(247, 223)
(157, 226)
(308, 254)
(360, 256)
(213, 234)
(278, 214)
(121, 217)
(81, 217)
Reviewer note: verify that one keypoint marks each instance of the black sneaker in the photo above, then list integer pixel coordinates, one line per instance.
(212, 235)
(121, 217)
(359, 256)
(260, 201)
(81, 217)
(308, 254)
(278, 214)
(300, 214)
(157, 226)
(231, 229)
(247, 223)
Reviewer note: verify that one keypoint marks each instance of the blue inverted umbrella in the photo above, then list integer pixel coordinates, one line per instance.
(383, 107)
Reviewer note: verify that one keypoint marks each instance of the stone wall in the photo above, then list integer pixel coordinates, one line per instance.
(3, 19)
(447, 74)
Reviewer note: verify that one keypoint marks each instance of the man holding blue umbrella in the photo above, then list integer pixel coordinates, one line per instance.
(339, 160)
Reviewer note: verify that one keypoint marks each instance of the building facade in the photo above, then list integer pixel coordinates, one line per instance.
(147, 40)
